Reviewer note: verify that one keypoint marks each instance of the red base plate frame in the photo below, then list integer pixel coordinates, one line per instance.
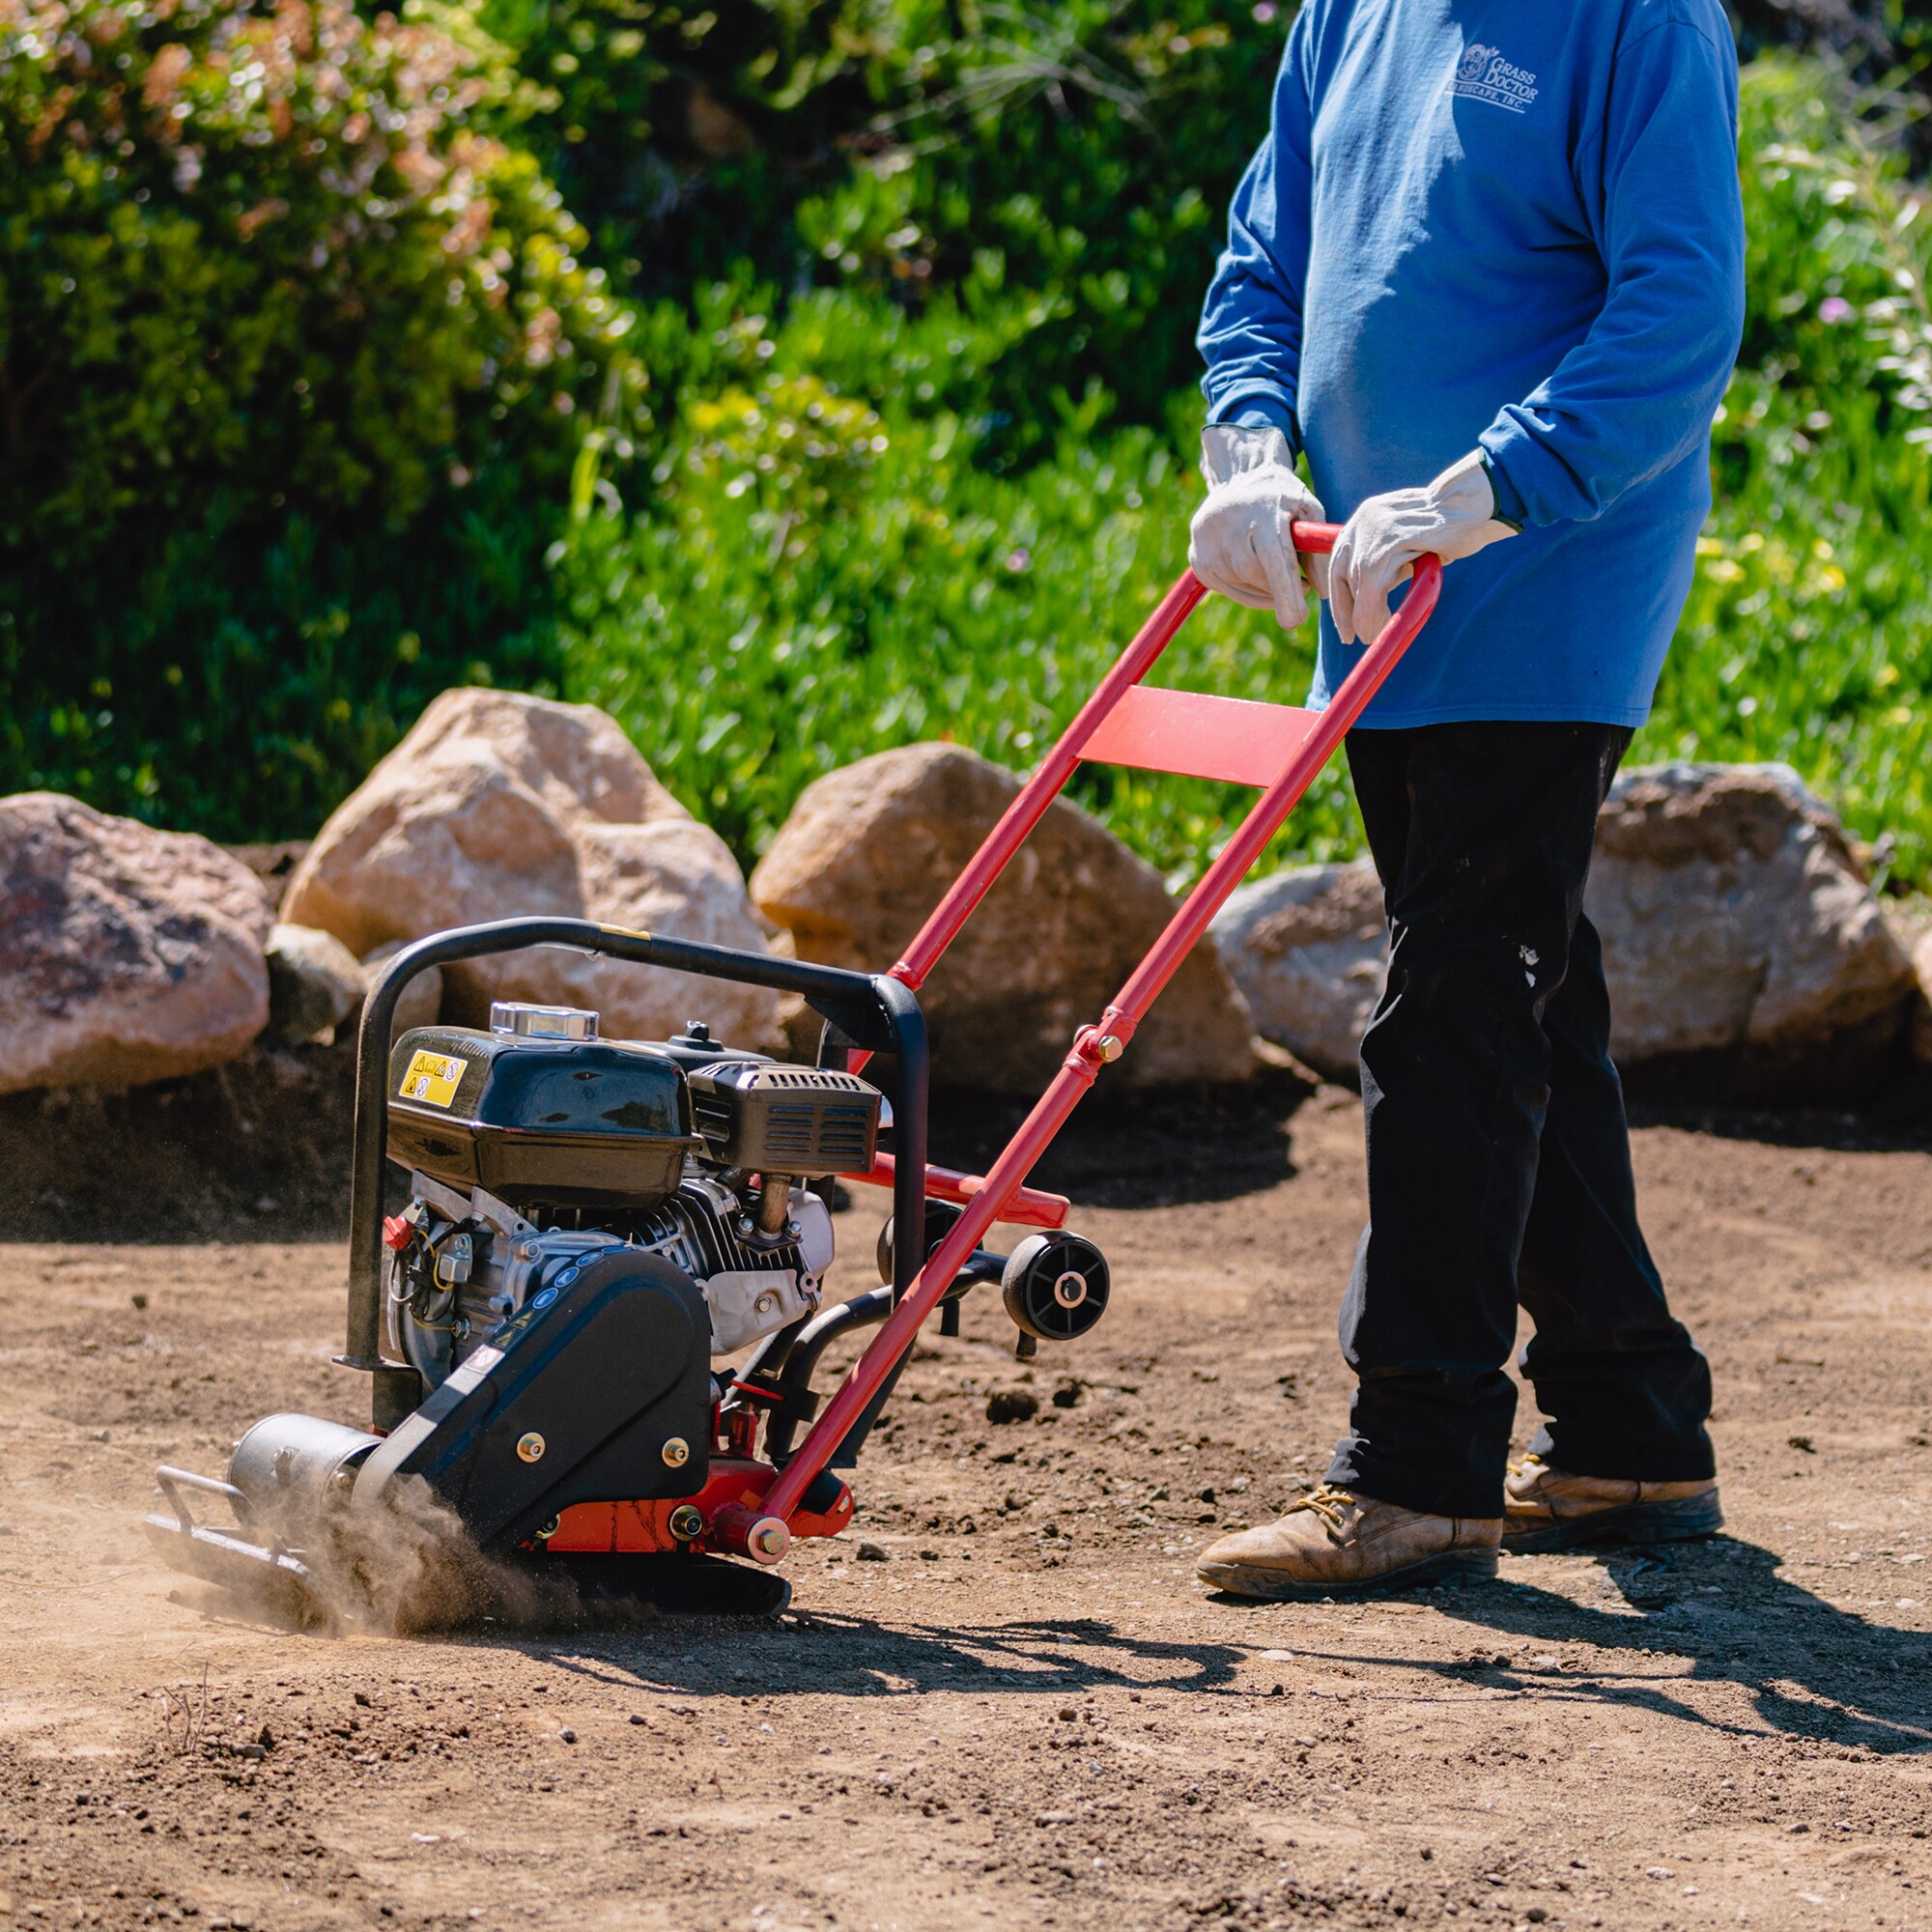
(643, 1528)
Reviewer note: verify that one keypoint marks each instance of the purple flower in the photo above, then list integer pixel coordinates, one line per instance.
(1265, 12)
(1836, 309)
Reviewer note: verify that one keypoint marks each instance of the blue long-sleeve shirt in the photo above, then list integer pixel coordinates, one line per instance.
(1512, 224)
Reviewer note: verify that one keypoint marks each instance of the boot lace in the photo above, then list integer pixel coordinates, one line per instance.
(1328, 1503)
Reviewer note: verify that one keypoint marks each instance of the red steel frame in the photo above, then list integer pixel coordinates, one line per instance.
(1276, 748)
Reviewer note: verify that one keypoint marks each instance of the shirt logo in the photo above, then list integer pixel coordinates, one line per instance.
(1484, 74)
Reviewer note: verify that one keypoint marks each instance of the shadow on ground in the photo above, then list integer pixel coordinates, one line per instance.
(1811, 1670)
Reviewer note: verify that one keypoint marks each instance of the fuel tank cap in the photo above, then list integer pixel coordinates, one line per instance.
(524, 1021)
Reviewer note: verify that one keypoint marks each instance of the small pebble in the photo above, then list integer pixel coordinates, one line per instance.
(873, 1553)
(567, 1735)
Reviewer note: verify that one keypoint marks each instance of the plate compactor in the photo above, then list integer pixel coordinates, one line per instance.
(595, 1227)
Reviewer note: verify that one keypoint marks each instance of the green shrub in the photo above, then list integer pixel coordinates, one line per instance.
(1079, 153)
(828, 568)
(288, 343)
(827, 571)
(1808, 633)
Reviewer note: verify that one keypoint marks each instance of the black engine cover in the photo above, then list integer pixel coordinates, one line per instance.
(605, 1371)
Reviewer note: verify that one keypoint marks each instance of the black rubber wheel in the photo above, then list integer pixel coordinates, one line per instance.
(1056, 1286)
(941, 1217)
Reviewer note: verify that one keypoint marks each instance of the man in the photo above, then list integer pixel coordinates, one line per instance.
(1498, 244)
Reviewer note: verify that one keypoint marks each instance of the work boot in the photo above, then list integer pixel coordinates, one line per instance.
(1336, 1544)
(1550, 1509)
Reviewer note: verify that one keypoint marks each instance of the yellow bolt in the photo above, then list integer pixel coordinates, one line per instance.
(676, 1453)
(531, 1447)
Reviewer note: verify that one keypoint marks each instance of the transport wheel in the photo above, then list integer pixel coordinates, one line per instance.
(1056, 1286)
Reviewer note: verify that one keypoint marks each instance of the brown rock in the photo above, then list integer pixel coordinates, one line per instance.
(1735, 918)
(868, 852)
(314, 983)
(127, 955)
(1308, 947)
(1921, 1011)
(1736, 922)
(497, 804)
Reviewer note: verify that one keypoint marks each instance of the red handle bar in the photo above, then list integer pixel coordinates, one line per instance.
(1093, 1045)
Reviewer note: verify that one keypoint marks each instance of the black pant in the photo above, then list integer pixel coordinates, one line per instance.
(1497, 1149)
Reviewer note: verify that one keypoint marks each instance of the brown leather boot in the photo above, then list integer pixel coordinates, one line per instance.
(1335, 1543)
(1550, 1509)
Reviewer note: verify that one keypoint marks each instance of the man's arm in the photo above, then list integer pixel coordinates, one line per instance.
(1637, 393)
(1250, 333)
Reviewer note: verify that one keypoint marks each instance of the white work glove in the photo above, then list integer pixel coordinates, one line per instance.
(1241, 543)
(1451, 518)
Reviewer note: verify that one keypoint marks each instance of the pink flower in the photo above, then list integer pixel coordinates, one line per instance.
(1836, 309)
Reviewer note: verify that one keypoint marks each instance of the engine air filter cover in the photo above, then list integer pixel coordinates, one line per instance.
(769, 1116)
(573, 1122)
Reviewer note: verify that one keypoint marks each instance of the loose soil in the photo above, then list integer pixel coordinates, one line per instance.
(1028, 1713)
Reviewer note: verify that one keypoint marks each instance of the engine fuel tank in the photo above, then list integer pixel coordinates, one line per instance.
(573, 1123)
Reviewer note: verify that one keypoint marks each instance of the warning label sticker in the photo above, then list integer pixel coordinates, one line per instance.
(433, 1078)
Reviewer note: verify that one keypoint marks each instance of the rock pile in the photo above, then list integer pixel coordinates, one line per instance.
(1739, 926)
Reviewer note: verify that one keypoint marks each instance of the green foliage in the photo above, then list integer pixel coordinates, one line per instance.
(1079, 151)
(278, 327)
(830, 567)
(1808, 633)
(829, 573)
(304, 360)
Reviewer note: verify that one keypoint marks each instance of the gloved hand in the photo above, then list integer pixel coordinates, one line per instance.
(1241, 543)
(1451, 518)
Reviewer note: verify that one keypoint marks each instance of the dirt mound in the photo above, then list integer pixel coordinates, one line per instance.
(260, 1144)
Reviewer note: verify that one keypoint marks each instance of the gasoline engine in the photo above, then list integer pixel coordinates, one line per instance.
(538, 1149)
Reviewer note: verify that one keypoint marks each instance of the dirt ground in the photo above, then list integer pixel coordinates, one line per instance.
(1028, 1715)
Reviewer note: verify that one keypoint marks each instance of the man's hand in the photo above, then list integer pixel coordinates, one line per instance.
(1453, 517)
(1241, 543)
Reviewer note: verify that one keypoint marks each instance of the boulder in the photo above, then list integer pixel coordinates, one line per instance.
(1737, 921)
(496, 804)
(127, 955)
(421, 1004)
(314, 983)
(868, 850)
(273, 864)
(1308, 948)
(1922, 1007)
